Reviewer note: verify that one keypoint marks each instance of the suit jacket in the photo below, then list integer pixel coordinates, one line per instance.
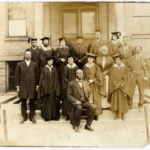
(129, 52)
(140, 66)
(73, 91)
(27, 78)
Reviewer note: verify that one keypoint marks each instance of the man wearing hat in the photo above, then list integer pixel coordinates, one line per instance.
(35, 52)
(97, 43)
(80, 52)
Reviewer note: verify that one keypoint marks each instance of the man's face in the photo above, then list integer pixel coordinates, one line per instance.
(50, 62)
(79, 74)
(79, 41)
(126, 40)
(28, 55)
(138, 50)
(70, 60)
(34, 43)
(98, 35)
(46, 42)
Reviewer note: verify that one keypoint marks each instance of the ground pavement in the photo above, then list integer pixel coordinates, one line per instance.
(108, 132)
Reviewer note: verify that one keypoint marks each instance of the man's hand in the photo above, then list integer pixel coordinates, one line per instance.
(37, 87)
(18, 88)
(78, 103)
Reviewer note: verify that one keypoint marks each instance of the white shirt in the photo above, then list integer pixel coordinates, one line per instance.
(27, 62)
(138, 56)
(80, 83)
(103, 61)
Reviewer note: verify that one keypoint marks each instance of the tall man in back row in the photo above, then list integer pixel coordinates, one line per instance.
(79, 95)
(26, 75)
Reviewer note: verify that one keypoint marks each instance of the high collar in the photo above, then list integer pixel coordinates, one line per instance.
(122, 65)
(73, 65)
(49, 67)
(89, 65)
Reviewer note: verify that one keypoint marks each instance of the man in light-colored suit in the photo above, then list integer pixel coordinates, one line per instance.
(138, 66)
(126, 50)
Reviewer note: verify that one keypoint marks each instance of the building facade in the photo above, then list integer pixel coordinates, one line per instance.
(21, 20)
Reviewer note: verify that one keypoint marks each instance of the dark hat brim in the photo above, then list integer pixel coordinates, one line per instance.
(45, 38)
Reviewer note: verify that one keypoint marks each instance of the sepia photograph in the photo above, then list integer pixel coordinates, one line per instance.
(74, 74)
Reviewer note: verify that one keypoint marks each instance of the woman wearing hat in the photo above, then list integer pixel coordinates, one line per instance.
(49, 91)
(61, 54)
(104, 62)
(94, 77)
(115, 43)
(47, 50)
(118, 94)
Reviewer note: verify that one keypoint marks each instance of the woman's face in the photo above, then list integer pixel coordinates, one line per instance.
(46, 42)
(70, 60)
(50, 62)
(118, 61)
(114, 37)
(63, 43)
(90, 60)
(104, 50)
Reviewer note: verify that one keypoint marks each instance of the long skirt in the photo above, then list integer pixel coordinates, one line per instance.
(50, 108)
(119, 102)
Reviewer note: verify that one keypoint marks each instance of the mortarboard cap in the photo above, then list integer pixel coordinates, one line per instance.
(45, 38)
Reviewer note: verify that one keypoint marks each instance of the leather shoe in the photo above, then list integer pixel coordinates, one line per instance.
(87, 127)
(23, 120)
(76, 129)
(33, 120)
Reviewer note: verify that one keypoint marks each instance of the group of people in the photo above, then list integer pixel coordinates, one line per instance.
(73, 77)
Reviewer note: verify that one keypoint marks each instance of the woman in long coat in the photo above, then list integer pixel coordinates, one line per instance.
(119, 95)
(49, 91)
(94, 77)
(61, 54)
(104, 63)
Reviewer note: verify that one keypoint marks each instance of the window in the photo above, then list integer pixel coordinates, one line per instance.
(17, 19)
(88, 23)
(79, 21)
(70, 23)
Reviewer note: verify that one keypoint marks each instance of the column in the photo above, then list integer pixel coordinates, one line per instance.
(38, 21)
(120, 17)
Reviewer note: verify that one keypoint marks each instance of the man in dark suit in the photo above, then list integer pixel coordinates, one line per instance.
(139, 68)
(80, 96)
(126, 50)
(35, 52)
(97, 43)
(26, 75)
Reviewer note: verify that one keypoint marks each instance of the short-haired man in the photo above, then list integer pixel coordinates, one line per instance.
(138, 67)
(80, 96)
(26, 75)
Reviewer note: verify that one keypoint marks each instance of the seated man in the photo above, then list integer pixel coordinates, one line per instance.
(80, 96)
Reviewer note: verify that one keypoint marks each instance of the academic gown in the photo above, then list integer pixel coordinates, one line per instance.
(69, 75)
(93, 73)
(46, 52)
(48, 93)
(118, 95)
